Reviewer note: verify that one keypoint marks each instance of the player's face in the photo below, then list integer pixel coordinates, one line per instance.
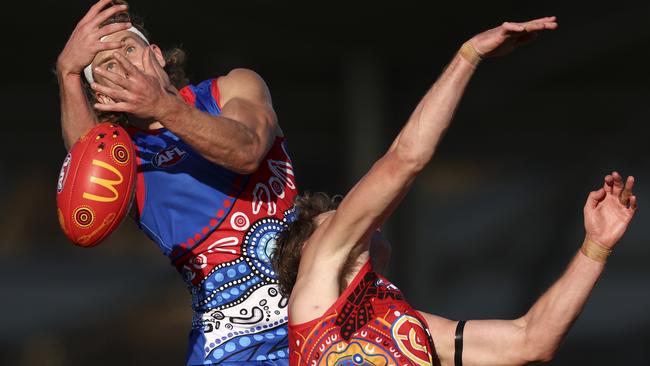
(133, 47)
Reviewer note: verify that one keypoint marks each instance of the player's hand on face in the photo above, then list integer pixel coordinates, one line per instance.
(85, 43)
(609, 210)
(503, 39)
(144, 93)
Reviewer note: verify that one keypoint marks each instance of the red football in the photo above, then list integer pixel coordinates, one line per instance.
(96, 184)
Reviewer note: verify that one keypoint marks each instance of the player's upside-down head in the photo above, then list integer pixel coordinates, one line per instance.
(288, 249)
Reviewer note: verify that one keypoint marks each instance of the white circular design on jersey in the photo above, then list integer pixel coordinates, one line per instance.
(200, 261)
(239, 221)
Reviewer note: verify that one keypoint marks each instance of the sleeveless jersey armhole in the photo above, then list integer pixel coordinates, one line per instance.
(367, 267)
(216, 94)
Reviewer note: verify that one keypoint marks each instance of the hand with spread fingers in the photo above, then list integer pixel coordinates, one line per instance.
(146, 94)
(609, 210)
(505, 38)
(85, 41)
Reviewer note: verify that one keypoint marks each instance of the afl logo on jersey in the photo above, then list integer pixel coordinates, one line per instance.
(168, 157)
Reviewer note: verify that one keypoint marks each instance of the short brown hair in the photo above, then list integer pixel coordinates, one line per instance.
(286, 257)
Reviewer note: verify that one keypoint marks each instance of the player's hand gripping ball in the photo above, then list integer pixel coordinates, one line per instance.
(96, 184)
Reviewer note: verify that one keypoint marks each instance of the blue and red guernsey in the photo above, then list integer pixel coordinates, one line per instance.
(369, 324)
(219, 228)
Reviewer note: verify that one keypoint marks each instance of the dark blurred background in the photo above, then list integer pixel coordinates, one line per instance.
(487, 228)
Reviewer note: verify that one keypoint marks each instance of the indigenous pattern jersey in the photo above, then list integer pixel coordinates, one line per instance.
(369, 324)
(219, 228)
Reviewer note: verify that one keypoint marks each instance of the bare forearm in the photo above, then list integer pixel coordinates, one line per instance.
(77, 116)
(219, 139)
(418, 139)
(550, 318)
(534, 337)
(375, 196)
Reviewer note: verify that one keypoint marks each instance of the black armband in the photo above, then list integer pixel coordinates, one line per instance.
(458, 341)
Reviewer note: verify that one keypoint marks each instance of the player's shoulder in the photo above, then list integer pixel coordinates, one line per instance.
(241, 79)
(243, 83)
(243, 74)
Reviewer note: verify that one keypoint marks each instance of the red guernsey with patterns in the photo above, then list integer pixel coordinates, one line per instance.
(96, 184)
(369, 324)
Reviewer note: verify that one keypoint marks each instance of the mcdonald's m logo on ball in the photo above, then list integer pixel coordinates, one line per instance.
(106, 183)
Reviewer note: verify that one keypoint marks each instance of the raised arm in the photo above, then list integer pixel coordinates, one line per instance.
(238, 139)
(375, 196)
(537, 335)
(77, 115)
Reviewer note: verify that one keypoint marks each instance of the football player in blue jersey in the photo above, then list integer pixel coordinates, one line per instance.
(215, 184)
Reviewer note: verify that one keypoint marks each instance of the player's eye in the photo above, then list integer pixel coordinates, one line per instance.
(110, 66)
(130, 49)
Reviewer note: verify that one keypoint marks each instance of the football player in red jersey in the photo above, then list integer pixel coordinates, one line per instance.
(341, 311)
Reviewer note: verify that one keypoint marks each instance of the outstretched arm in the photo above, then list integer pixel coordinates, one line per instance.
(376, 195)
(537, 335)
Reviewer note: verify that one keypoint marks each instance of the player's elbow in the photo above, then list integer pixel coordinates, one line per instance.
(539, 353)
(409, 155)
(246, 163)
(411, 161)
(247, 167)
(533, 344)
(247, 157)
(547, 356)
(539, 348)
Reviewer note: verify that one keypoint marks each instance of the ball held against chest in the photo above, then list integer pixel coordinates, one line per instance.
(96, 184)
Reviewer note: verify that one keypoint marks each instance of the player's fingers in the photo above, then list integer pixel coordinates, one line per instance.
(154, 61)
(609, 183)
(543, 20)
(105, 46)
(594, 198)
(112, 28)
(513, 27)
(115, 94)
(147, 65)
(156, 66)
(550, 25)
(633, 203)
(535, 26)
(107, 13)
(94, 10)
(115, 107)
(617, 188)
(131, 70)
(629, 183)
(113, 77)
(151, 65)
(627, 191)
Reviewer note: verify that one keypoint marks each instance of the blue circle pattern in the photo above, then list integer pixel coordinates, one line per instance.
(259, 245)
(234, 281)
(269, 344)
(291, 215)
